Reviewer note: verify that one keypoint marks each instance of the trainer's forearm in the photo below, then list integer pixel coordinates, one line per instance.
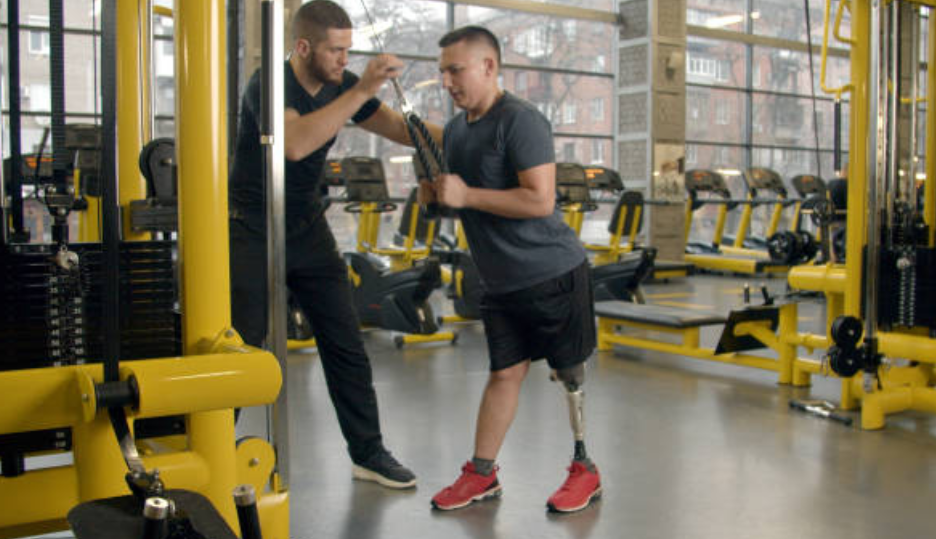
(307, 133)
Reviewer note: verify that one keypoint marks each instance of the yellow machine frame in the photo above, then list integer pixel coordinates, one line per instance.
(900, 387)
(217, 373)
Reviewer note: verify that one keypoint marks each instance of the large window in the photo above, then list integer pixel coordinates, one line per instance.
(560, 64)
(754, 99)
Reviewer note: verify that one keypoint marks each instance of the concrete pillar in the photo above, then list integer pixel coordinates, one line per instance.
(651, 133)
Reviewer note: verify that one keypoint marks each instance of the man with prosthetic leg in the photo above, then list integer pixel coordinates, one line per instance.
(538, 301)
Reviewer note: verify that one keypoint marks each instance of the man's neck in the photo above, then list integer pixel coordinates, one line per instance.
(485, 105)
(308, 82)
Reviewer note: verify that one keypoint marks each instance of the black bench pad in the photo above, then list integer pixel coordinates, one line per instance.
(657, 315)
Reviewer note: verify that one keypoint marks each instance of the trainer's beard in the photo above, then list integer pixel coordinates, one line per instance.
(319, 73)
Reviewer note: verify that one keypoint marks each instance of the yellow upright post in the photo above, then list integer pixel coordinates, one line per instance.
(720, 224)
(857, 162)
(133, 122)
(744, 225)
(89, 220)
(201, 151)
(775, 217)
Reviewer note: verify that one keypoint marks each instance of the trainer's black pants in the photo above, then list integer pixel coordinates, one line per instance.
(317, 277)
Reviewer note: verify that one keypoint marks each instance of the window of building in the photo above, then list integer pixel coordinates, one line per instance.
(520, 82)
(568, 152)
(692, 153)
(569, 28)
(533, 42)
(569, 113)
(39, 39)
(600, 63)
(722, 113)
(598, 149)
(598, 109)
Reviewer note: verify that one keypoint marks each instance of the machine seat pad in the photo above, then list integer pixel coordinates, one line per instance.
(657, 315)
(121, 517)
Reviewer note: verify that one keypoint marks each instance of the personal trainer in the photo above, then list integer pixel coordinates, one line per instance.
(321, 96)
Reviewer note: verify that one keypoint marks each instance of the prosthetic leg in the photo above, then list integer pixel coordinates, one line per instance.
(583, 484)
(572, 380)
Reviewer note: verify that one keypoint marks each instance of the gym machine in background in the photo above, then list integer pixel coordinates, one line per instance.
(882, 330)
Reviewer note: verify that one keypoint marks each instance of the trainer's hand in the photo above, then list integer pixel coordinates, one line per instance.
(378, 71)
(451, 190)
(426, 193)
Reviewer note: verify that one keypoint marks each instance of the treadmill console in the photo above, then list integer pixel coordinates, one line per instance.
(764, 179)
(571, 184)
(364, 179)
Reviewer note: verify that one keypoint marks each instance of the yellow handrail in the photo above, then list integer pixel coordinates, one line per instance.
(825, 47)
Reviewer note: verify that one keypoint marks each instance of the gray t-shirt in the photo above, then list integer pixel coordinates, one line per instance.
(511, 254)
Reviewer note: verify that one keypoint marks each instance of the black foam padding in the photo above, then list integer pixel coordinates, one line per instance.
(122, 517)
(657, 315)
(838, 192)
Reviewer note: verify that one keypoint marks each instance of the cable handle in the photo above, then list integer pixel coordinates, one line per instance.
(427, 151)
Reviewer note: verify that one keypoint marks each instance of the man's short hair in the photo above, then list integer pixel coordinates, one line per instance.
(472, 34)
(313, 20)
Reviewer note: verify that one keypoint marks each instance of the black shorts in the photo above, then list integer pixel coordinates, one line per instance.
(554, 320)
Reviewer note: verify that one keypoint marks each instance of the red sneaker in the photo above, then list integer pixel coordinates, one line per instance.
(470, 487)
(580, 488)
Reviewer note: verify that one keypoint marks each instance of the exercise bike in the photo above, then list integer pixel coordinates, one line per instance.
(386, 299)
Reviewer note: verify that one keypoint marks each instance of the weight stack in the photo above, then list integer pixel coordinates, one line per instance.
(50, 316)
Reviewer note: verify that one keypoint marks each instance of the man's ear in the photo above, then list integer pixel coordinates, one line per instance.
(489, 65)
(302, 47)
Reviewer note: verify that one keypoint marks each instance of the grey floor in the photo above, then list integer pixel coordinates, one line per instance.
(686, 449)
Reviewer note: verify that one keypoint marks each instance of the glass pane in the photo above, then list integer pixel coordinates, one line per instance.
(720, 14)
(164, 128)
(781, 70)
(421, 84)
(81, 86)
(715, 115)
(539, 40)
(715, 62)
(32, 13)
(788, 121)
(789, 163)
(603, 5)
(714, 157)
(162, 25)
(164, 68)
(583, 151)
(572, 103)
(401, 26)
(85, 14)
(787, 20)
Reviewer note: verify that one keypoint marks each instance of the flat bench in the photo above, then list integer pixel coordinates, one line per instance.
(656, 315)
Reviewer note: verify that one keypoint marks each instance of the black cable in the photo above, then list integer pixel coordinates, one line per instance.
(57, 72)
(812, 88)
(18, 232)
(110, 211)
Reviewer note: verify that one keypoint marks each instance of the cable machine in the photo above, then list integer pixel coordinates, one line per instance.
(95, 345)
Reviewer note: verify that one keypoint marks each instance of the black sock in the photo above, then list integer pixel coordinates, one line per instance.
(587, 462)
(483, 466)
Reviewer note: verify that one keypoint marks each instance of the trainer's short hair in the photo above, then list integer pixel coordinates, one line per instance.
(314, 19)
(472, 34)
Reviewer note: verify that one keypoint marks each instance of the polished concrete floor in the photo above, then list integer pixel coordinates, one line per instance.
(686, 449)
